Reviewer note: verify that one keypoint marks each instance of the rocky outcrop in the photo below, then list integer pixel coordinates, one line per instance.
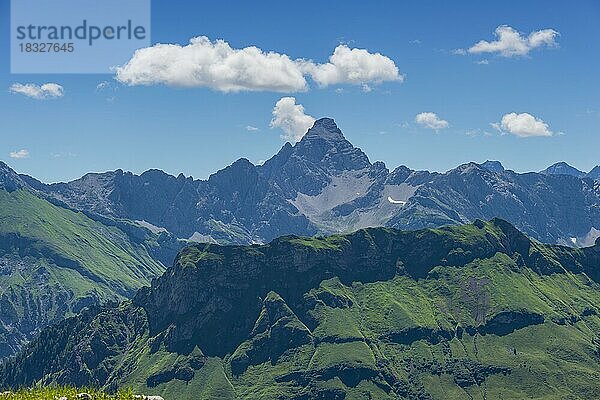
(277, 330)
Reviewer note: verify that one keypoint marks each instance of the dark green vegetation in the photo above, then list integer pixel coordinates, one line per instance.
(54, 262)
(475, 311)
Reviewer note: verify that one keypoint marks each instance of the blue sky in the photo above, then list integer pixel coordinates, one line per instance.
(198, 130)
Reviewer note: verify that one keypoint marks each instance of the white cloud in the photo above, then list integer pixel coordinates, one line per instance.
(431, 120)
(511, 43)
(251, 128)
(354, 66)
(42, 92)
(216, 65)
(482, 62)
(290, 117)
(23, 153)
(523, 125)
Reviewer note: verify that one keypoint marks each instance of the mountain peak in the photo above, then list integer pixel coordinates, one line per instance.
(325, 128)
(307, 166)
(326, 122)
(562, 168)
(594, 173)
(242, 168)
(467, 168)
(493, 166)
(325, 146)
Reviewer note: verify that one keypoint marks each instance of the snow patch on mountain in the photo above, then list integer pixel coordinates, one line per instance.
(400, 202)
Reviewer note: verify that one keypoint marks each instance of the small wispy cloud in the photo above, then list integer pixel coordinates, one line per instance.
(477, 132)
(45, 91)
(19, 154)
(102, 85)
(63, 155)
(109, 89)
(251, 128)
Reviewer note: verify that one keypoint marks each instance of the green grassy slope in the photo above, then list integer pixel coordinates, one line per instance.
(471, 312)
(407, 338)
(54, 262)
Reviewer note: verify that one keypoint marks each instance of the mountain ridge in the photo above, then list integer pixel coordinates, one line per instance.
(323, 184)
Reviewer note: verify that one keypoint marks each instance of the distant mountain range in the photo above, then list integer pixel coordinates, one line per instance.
(325, 185)
(464, 312)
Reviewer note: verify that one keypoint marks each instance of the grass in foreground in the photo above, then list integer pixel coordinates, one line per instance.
(68, 393)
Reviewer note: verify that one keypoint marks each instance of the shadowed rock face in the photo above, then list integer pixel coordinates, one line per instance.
(508, 322)
(239, 277)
